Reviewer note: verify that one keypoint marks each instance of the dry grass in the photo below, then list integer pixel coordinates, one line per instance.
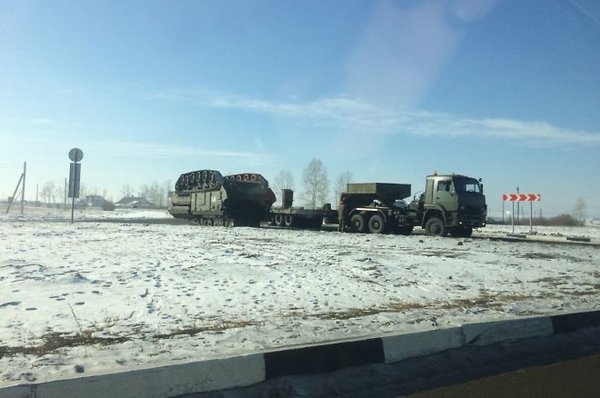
(55, 341)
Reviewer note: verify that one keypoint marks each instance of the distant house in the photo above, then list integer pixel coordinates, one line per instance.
(99, 201)
(135, 202)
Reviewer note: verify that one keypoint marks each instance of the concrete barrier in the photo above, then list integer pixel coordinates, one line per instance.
(16, 392)
(322, 358)
(568, 322)
(397, 348)
(230, 373)
(494, 332)
(161, 382)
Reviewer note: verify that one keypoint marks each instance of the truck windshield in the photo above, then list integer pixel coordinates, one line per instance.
(467, 185)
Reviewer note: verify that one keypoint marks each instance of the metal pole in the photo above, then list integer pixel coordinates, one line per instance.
(518, 207)
(513, 217)
(530, 217)
(503, 212)
(72, 208)
(23, 191)
(12, 198)
(73, 183)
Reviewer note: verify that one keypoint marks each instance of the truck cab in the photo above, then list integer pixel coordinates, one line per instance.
(452, 204)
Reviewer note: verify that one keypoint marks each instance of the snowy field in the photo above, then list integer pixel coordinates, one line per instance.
(97, 297)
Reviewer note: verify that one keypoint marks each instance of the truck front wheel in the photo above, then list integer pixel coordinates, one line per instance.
(435, 227)
(376, 224)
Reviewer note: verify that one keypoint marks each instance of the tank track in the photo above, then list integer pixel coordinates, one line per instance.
(199, 180)
(249, 177)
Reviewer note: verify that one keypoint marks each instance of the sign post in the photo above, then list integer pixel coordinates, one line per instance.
(75, 155)
(522, 197)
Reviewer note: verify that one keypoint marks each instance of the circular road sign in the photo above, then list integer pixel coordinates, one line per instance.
(76, 155)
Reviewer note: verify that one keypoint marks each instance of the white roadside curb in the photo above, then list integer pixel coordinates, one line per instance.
(162, 382)
(400, 347)
(230, 373)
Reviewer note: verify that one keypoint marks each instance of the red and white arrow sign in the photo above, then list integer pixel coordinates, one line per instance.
(521, 197)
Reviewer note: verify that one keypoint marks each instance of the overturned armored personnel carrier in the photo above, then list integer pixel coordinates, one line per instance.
(213, 199)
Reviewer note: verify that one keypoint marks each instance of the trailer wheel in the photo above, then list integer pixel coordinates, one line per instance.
(436, 227)
(376, 224)
(288, 220)
(278, 220)
(358, 223)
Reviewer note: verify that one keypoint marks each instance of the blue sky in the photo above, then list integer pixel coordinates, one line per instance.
(508, 91)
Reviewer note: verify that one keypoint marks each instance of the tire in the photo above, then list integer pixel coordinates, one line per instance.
(435, 227)
(278, 220)
(358, 223)
(376, 224)
(288, 220)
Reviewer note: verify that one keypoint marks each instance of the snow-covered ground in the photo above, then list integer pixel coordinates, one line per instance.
(92, 297)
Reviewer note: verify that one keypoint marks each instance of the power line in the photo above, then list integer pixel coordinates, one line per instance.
(585, 12)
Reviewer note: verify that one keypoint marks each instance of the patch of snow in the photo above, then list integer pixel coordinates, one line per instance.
(105, 297)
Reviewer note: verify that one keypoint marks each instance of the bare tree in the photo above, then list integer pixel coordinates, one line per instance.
(283, 180)
(580, 207)
(166, 192)
(156, 193)
(341, 181)
(152, 193)
(48, 192)
(316, 183)
(127, 190)
(83, 190)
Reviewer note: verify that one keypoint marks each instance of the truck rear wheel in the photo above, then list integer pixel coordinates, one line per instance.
(278, 220)
(288, 220)
(358, 223)
(376, 224)
(436, 227)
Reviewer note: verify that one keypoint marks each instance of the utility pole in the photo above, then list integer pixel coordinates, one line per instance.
(12, 198)
(518, 206)
(23, 191)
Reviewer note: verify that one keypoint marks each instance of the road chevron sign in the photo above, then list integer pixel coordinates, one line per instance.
(521, 197)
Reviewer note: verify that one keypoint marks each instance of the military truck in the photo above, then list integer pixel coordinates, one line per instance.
(451, 203)
(206, 196)
(299, 217)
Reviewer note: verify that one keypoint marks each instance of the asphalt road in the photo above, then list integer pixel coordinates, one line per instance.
(574, 378)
